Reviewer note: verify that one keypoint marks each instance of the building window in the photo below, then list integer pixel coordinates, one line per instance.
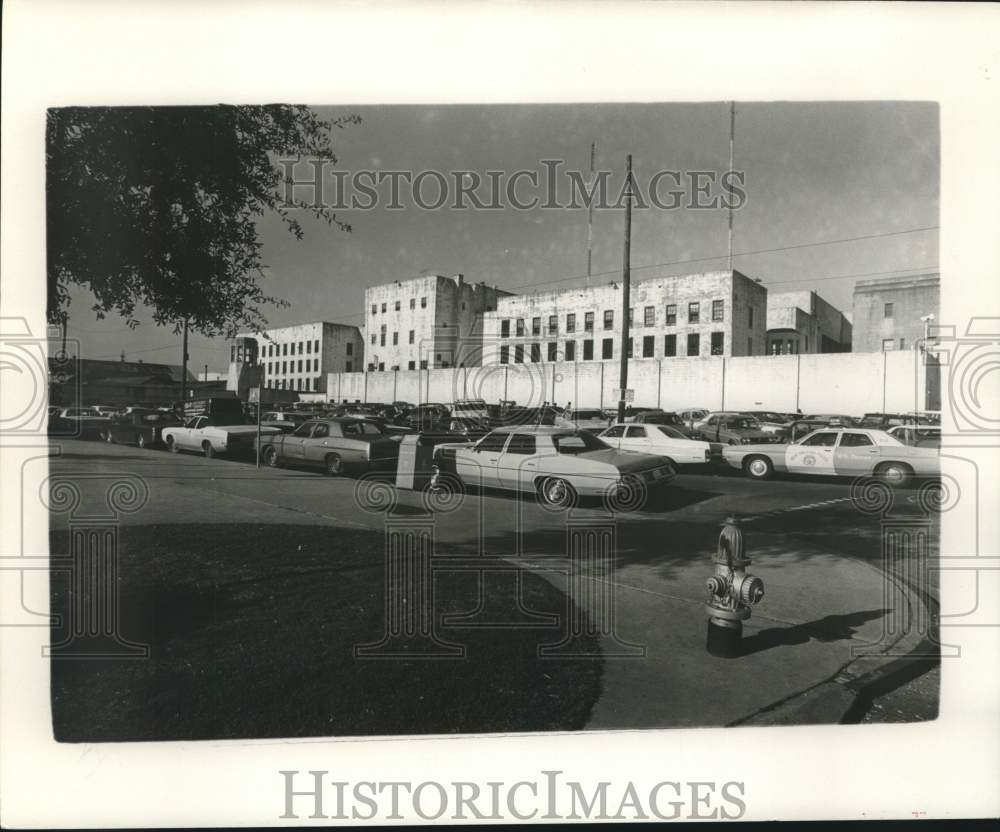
(505, 328)
(648, 346)
(718, 310)
(694, 312)
(671, 319)
(669, 346)
(571, 350)
(553, 351)
(301, 347)
(588, 350)
(423, 303)
(383, 308)
(505, 353)
(381, 366)
(395, 339)
(348, 366)
(519, 327)
(381, 336)
(300, 365)
(397, 305)
(316, 345)
(232, 353)
(519, 353)
(718, 340)
(284, 349)
(902, 343)
(609, 319)
(649, 316)
(887, 311)
(749, 346)
(694, 343)
(350, 348)
(413, 303)
(309, 346)
(374, 308)
(423, 364)
(553, 324)
(588, 321)
(536, 326)
(284, 367)
(373, 337)
(750, 316)
(631, 315)
(536, 353)
(630, 348)
(412, 335)
(607, 348)
(571, 322)
(411, 365)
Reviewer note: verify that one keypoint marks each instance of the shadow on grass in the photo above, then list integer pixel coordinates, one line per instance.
(252, 632)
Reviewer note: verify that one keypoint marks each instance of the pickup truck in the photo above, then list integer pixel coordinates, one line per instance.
(203, 434)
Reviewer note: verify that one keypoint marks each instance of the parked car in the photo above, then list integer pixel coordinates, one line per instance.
(836, 451)
(921, 435)
(140, 427)
(592, 419)
(728, 428)
(336, 445)
(105, 409)
(632, 413)
(690, 415)
(473, 417)
(557, 464)
(834, 419)
(204, 434)
(882, 421)
(770, 420)
(668, 419)
(79, 423)
(429, 416)
(660, 440)
(802, 427)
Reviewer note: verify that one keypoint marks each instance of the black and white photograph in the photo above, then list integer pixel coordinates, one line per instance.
(413, 421)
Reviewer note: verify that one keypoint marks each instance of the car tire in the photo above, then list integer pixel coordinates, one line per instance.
(896, 474)
(758, 468)
(172, 445)
(270, 457)
(334, 465)
(141, 441)
(207, 449)
(556, 493)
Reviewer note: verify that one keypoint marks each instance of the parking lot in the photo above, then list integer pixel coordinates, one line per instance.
(252, 588)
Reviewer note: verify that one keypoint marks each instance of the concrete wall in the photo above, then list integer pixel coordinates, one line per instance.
(851, 383)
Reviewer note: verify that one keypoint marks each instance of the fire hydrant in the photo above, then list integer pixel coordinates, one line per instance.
(731, 592)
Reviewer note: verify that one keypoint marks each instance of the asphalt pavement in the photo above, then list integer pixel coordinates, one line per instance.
(827, 602)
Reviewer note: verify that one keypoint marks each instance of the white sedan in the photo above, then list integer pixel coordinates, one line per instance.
(660, 440)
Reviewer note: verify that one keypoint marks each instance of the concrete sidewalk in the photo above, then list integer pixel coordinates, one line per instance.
(798, 643)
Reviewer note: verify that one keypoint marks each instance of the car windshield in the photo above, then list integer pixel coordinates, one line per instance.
(742, 424)
(577, 443)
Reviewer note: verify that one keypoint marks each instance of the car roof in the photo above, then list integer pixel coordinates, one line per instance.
(543, 429)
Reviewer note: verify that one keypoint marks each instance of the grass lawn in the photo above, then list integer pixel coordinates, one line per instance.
(252, 629)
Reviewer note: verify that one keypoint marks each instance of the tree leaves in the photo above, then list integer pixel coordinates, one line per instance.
(157, 207)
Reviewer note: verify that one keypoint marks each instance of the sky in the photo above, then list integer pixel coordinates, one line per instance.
(818, 176)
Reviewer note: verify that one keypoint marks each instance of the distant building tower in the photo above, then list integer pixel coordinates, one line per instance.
(244, 370)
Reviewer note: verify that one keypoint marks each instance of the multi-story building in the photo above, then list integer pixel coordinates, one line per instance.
(888, 312)
(803, 322)
(712, 313)
(299, 357)
(427, 322)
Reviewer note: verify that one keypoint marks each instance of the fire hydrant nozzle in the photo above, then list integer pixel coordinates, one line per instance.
(732, 591)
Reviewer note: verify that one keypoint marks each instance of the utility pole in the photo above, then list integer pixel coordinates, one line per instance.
(184, 365)
(732, 142)
(206, 372)
(626, 288)
(590, 214)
